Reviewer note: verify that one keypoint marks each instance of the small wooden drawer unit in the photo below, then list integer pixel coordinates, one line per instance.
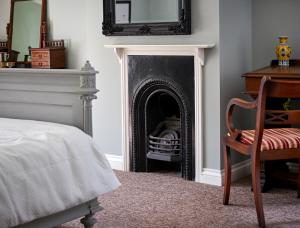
(48, 58)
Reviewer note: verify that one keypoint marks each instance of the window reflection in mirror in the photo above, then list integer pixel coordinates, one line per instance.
(146, 11)
(26, 26)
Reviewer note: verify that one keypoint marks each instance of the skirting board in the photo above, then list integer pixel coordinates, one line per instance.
(115, 161)
(208, 176)
(216, 177)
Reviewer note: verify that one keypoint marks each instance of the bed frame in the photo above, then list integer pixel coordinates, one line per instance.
(62, 96)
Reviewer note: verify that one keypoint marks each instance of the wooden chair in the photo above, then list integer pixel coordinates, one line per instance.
(263, 144)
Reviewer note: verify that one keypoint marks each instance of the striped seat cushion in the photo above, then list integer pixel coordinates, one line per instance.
(276, 138)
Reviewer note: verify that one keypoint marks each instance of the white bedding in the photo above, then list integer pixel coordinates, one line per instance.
(46, 168)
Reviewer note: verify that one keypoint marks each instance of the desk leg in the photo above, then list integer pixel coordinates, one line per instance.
(266, 183)
(268, 179)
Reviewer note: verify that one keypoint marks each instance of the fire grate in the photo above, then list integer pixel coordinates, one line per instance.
(164, 142)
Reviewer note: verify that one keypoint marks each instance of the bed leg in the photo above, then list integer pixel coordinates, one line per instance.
(88, 221)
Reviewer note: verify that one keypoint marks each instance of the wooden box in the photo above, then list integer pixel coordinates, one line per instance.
(48, 58)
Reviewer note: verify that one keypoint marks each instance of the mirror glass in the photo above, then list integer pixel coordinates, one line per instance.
(146, 11)
(26, 26)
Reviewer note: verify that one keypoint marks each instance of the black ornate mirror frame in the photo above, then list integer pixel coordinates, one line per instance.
(110, 28)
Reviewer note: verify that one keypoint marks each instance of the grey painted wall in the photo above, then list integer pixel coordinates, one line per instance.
(247, 30)
(67, 20)
(248, 36)
(80, 26)
(107, 112)
(235, 55)
(272, 18)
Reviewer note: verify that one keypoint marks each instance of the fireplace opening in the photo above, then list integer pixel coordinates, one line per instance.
(163, 126)
(162, 139)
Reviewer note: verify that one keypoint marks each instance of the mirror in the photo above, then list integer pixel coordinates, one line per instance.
(146, 17)
(27, 26)
(145, 11)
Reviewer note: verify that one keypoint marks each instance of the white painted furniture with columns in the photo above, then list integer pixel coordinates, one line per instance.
(62, 96)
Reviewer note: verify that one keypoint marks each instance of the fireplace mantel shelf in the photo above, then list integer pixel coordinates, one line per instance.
(208, 45)
(161, 49)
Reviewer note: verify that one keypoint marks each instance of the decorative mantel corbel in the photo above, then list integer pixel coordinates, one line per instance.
(88, 91)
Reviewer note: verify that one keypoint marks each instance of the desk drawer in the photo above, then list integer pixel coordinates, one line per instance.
(252, 85)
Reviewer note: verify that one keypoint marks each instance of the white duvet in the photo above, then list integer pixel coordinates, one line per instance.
(47, 167)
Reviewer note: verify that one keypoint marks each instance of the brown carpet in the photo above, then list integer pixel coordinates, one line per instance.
(147, 200)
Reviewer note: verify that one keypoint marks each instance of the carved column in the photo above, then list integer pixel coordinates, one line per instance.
(88, 89)
(87, 113)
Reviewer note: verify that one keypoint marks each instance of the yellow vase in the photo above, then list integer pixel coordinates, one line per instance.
(283, 51)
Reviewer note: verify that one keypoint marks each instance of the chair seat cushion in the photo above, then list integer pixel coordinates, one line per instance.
(275, 138)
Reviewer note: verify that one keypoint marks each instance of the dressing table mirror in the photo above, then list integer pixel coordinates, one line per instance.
(146, 17)
(27, 27)
(27, 44)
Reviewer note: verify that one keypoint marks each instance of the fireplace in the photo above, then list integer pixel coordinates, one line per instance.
(161, 87)
(161, 107)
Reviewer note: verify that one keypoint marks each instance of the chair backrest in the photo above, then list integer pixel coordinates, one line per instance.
(279, 89)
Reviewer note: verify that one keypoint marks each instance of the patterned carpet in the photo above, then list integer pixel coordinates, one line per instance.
(147, 200)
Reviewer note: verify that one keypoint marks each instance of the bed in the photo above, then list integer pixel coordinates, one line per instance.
(51, 169)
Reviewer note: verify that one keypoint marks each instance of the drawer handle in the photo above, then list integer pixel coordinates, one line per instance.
(40, 64)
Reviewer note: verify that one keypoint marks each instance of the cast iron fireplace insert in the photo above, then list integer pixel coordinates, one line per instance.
(161, 103)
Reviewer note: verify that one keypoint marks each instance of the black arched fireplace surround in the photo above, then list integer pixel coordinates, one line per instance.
(161, 103)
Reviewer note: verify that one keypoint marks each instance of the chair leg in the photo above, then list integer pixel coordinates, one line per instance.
(227, 168)
(298, 194)
(257, 193)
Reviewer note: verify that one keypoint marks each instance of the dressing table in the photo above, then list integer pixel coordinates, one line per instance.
(275, 173)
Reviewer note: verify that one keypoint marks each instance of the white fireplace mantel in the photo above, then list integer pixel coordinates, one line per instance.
(151, 49)
(196, 50)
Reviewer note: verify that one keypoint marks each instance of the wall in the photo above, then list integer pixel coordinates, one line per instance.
(67, 20)
(79, 23)
(235, 54)
(107, 112)
(247, 30)
(272, 18)
(4, 18)
(248, 36)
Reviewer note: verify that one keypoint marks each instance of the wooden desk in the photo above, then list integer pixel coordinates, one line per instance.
(252, 79)
(274, 172)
